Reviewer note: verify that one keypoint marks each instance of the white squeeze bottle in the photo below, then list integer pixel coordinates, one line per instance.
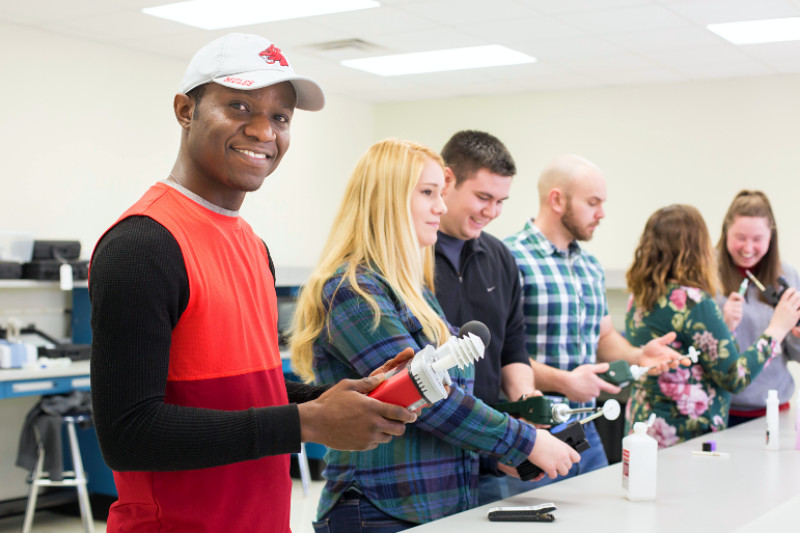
(773, 428)
(639, 453)
(797, 421)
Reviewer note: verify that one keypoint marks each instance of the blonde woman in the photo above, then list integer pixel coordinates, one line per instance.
(370, 297)
(672, 280)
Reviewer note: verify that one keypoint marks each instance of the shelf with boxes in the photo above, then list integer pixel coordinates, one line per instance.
(22, 257)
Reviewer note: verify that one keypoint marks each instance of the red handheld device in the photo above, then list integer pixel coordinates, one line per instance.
(422, 380)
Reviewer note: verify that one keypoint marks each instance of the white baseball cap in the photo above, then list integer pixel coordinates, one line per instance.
(248, 62)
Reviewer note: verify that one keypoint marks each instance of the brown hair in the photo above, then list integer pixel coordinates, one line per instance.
(675, 246)
(748, 204)
(469, 151)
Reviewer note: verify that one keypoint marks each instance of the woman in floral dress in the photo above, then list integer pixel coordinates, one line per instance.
(672, 280)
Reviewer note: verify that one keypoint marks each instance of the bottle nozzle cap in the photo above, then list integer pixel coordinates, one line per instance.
(640, 427)
(772, 394)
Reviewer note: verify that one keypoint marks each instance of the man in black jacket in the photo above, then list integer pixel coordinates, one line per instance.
(476, 276)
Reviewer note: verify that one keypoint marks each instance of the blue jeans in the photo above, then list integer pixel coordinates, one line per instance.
(734, 420)
(592, 459)
(353, 513)
(492, 488)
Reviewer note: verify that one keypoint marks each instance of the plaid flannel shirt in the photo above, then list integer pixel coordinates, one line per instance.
(563, 299)
(432, 470)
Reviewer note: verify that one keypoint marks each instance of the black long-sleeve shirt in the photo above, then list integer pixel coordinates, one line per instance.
(486, 287)
(139, 288)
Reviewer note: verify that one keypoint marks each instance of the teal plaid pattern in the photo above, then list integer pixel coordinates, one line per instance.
(563, 299)
(432, 470)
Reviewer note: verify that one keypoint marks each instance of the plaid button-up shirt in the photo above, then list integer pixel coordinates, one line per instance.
(432, 470)
(563, 299)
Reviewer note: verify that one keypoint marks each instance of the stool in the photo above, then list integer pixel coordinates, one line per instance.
(75, 478)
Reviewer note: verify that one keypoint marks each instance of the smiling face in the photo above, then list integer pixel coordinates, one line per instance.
(427, 205)
(473, 204)
(233, 140)
(748, 240)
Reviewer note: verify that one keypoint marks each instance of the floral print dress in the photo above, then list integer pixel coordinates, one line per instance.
(690, 401)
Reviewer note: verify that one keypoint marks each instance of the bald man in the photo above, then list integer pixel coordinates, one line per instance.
(567, 325)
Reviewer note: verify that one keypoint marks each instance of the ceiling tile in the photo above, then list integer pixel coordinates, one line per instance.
(783, 57)
(732, 10)
(785, 50)
(573, 6)
(528, 29)
(612, 63)
(661, 40)
(638, 18)
(560, 50)
(430, 39)
(706, 55)
(181, 46)
(119, 26)
(728, 70)
(785, 66)
(54, 10)
(558, 82)
(638, 76)
(289, 34)
(373, 21)
(459, 12)
(136, 4)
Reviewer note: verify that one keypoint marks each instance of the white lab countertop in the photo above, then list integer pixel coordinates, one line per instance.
(76, 368)
(751, 489)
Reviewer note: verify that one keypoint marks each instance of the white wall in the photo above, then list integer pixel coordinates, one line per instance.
(694, 142)
(85, 128)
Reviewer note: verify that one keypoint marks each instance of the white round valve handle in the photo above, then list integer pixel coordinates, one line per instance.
(611, 409)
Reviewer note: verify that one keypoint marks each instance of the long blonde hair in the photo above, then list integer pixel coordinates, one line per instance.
(373, 229)
(675, 246)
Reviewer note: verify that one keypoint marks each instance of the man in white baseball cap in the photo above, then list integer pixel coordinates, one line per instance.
(190, 405)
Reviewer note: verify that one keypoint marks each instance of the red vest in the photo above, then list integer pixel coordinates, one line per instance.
(224, 355)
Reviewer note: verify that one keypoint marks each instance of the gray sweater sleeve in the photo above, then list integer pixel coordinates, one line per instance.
(776, 375)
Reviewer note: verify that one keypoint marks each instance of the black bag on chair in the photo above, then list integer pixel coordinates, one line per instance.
(44, 418)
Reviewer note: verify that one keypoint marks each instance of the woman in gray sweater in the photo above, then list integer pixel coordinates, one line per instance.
(749, 242)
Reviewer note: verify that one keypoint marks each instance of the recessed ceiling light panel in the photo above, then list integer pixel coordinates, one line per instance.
(215, 14)
(440, 60)
(759, 31)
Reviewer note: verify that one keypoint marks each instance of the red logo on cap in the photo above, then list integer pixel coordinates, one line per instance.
(273, 55)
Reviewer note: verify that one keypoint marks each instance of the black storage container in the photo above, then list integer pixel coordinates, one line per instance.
(10, 270)
(76, 352)
(56, 250)
(49, 270)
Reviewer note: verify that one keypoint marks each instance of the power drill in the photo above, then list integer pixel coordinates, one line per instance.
(542, 410)
(573, 435)
(772, 295)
